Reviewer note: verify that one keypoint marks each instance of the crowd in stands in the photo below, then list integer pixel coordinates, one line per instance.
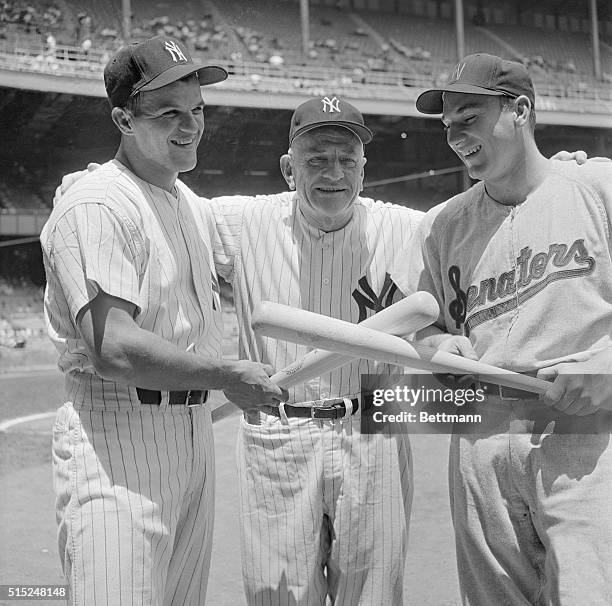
(198, 34)
(322, 51)
(201, 35)
(411, 52)
(29, 16)
(355, 44)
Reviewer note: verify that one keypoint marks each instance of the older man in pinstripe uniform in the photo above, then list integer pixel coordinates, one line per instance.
(324, 509)
(133, 309)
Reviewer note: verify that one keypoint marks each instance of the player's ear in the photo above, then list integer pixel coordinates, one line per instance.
(286, 168)
(522, 110)
(122, 119)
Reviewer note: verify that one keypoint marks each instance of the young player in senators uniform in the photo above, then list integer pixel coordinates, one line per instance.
(521, 266)
(324, 509)
(130, 289)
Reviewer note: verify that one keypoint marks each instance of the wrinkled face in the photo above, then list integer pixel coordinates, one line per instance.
(482, 133)
(326, 164)
(168, 125)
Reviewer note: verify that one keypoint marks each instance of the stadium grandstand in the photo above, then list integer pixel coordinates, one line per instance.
(378, 53)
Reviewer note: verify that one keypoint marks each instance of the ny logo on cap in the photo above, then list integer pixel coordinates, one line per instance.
(457, 72)
(173, 48)
(331, 105)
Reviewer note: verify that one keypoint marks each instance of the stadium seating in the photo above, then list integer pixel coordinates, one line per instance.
(357, 41)
(429, 44)
(197, 27)
(557, 53)
(32, 16)
(273, 35)
(90, 24)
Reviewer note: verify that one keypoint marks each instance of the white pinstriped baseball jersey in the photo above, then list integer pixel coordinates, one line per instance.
(269, 252)
(137, 242)
(134, 482)
(324, 509)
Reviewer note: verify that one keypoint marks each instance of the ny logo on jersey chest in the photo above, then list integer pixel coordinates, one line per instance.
(368, 299)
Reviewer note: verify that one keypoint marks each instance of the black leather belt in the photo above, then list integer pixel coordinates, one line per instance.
(490, 389)
(506, 393)
(195, 397)
(333, 409)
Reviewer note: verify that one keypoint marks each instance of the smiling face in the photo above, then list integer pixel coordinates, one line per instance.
(165, 130)
(483, 132)
(325, 166)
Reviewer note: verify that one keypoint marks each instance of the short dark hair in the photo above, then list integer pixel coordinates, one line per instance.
(508, 104)
(133, 103)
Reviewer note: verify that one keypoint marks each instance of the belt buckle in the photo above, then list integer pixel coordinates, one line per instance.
(190, 404)
(314, 409)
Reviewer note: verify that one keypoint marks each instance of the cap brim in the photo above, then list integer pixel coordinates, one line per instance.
(207, 74)
(363, 132)
(430, 102)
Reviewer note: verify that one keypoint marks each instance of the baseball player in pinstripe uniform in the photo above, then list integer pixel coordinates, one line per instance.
(132, 306)
(324, 509)
(521, 266)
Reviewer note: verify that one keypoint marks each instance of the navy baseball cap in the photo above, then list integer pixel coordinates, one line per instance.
(480, 74)
(150, 65)
(328, 111)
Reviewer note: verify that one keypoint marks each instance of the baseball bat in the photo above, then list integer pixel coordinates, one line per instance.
(307, 328)
(402, 318)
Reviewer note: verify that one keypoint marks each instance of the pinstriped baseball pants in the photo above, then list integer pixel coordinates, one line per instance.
(134, 504)
(324, 511)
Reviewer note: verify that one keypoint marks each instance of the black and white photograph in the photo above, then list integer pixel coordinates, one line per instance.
(306, 302)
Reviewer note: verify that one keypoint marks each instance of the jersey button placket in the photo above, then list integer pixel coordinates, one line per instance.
(514, 246)
(326, 271)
